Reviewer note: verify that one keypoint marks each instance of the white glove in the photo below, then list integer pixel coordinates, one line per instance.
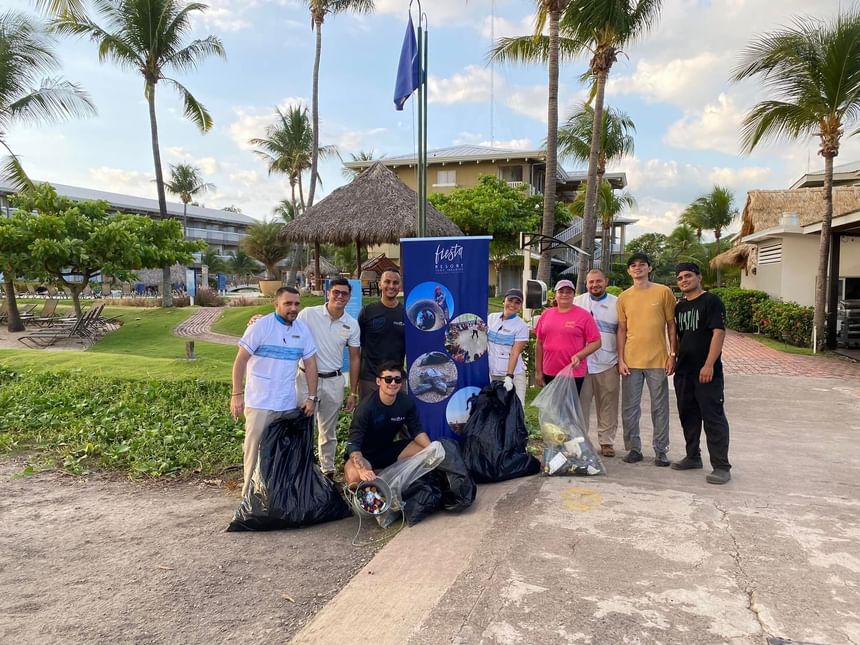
(509, 383)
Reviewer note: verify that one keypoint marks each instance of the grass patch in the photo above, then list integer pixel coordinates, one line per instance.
(782, 347)
(79, 422)
(234, 320)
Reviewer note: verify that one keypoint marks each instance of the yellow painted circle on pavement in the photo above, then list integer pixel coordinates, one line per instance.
(580, 499)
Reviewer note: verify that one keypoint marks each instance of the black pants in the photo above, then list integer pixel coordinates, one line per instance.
(701, 404)
(547, 379)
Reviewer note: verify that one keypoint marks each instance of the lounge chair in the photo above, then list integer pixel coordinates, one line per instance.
(46, 317)
(83, 327)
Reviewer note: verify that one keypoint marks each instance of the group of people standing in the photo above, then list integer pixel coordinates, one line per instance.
(293, 359)
(641, 337)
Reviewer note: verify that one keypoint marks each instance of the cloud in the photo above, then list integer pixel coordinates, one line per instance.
(227, 15)
(177, 153)
(716, 127)
(504, 28)
(510, 144)
(447, 12)
(209, 165)
(470, 86)
(655, 216)
(348, 140)
(118, 180)
(251, 122)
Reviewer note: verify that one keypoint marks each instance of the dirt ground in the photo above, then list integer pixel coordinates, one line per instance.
(101, 560)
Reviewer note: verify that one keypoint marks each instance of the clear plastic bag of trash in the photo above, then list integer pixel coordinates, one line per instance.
(567, 449)
(401, 474)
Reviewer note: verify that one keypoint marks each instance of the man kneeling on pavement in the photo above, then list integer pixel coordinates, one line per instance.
(379, 419)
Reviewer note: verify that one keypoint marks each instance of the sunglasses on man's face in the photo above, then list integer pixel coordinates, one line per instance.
(392, 379)
(335, 293)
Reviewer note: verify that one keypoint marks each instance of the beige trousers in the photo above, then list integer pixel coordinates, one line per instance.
(330, 392)
(256, 422)
(604, 388)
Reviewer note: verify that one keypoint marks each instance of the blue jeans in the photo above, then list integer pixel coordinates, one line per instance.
(631, 407)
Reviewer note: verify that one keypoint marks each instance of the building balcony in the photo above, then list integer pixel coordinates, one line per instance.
(214, 237)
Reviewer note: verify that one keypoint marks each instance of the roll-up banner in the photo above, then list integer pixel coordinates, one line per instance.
(445, 290)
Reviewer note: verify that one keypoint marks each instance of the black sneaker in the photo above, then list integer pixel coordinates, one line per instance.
(719, 476)
(687, 463)
(632, 457)
(661, 460)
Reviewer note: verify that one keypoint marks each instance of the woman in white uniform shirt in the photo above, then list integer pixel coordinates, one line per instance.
(508, 336)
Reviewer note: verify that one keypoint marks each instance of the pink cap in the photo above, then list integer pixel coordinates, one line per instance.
(563, 283)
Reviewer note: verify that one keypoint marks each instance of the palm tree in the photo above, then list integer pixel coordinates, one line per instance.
(263, 243)
(28, 94)
(286, 210)
(288, 148)
(241, 264)
(616, 138)
(352, 173)
(212, 259)
(186, 181)
(603, 28)
(609, 205)
(812, 73)
(548, 49)
(319, 9)
(712, 212)
(149, 36)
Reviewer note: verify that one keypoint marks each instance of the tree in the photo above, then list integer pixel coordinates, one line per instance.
(73, 241)
(812, 73)
(616, 138)
(603, 28)
(212, 259)
(319, 9)
(263, 243)
(362, 155)
(288, 148)
(28, 94)
(241, 264)
(231, 208)
(549, 50)
(186, 181)
(149, 37)
(608, 206)
(15, 259)
(713, 212)
(492, 207)
(286, 210)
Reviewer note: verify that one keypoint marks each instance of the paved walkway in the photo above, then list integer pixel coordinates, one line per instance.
(743, 354)
(199, 327)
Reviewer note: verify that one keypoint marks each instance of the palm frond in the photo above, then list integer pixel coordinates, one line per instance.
(194, 109)
(54, 100)
(533, 49)
(189, 57)
(12, 171)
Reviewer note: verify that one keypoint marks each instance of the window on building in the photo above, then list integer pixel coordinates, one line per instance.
(511, 173)
(446, 178)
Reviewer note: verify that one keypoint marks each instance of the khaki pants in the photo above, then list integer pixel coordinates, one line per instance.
(330, 392)
(604, 388)
(256, 422)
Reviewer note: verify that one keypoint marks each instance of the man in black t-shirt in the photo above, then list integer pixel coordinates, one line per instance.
(700, 323)
(379, 419)
(382, 332)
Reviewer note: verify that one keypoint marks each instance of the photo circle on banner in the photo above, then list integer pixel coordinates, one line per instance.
(466, 338)
(432, 377)
(459, 407)
(429, 306)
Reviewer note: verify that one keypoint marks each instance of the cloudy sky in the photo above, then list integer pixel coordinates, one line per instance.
(673, 84)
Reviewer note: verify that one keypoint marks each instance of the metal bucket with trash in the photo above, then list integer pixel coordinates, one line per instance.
(372, 498)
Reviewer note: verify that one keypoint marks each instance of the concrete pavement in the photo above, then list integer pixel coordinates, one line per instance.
(645, 555)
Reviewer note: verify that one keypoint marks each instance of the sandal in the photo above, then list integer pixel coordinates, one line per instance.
(607, 450)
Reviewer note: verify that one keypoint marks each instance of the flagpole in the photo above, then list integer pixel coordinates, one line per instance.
(422, 180)
(423, 54)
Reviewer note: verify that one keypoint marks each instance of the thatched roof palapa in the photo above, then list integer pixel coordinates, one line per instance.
(764, 208)
(741, 255)
(327, 268)
(374, 208)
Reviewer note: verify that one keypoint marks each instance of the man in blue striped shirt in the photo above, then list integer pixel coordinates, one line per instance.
(264, 372)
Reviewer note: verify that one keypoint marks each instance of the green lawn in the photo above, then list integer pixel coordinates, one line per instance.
(782, 347)
(143, 348)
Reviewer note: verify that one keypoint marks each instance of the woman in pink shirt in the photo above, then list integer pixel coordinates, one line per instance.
(566, 334)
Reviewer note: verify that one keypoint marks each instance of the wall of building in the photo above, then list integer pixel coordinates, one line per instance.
(467, 174)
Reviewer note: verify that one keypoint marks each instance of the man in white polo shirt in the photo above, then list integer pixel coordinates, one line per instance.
(332, 329)
(508, 335)
(603, 382)
(264, 373)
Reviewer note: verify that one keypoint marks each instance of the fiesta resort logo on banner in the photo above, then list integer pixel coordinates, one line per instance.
(449, 259)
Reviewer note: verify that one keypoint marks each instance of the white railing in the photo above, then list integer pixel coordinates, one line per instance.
(529, 189)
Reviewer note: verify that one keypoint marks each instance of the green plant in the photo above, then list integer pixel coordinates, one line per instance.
(786, 321)
(615, 291)
(739, 305)
(152, 428)
(208, 298)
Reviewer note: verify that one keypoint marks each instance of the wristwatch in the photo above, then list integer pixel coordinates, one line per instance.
(315, 399)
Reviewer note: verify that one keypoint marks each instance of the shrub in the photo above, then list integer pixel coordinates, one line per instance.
(138, 301)
(208, 298)
(739, 305)
(784, 321)
(246, 301)
(615, 291)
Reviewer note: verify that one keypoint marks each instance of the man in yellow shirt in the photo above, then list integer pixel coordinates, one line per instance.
(646, 317)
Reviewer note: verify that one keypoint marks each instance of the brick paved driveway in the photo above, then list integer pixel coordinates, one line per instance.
(745, 355)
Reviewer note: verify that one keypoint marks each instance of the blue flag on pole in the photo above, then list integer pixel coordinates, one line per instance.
(407, 69)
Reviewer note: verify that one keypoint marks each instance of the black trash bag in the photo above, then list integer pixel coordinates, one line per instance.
(458, 487)
(495, 437)
(288, 490)
(421, 498)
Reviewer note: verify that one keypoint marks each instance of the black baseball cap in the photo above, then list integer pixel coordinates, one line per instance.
(639, 255)
(688, 266)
